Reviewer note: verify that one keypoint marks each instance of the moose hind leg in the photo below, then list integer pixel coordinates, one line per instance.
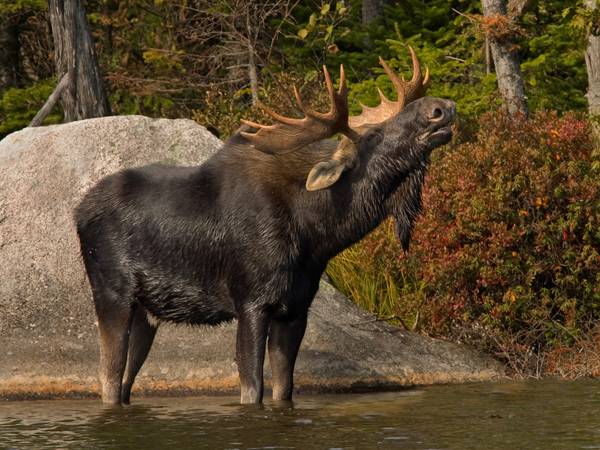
(114, 321)
(141, 337)
(284, 342)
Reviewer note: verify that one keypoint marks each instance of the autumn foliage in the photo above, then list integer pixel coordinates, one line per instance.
(506, 254)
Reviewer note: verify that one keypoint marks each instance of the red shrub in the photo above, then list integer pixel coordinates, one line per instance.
(510, 236)
(508, 245)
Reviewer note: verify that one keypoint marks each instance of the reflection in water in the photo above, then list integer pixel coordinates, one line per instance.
(541, 415)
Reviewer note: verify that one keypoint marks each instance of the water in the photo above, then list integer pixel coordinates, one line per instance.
(530, 415)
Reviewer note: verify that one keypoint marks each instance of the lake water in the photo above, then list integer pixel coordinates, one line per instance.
(525, 415)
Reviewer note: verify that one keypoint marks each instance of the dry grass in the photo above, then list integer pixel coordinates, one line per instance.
(368, 273)
(581, 359)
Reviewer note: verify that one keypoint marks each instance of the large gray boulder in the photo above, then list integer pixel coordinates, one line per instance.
(48, 334)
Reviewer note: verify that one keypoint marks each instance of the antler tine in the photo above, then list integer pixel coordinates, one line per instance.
(418, 85)
(398, 83)
(299, 101)
(332, 98)
(416, 78)
(290, 133)
(278, 117)
(407, 92)
(253, 124)
(343, 89)
(426, 79)
(382, 97)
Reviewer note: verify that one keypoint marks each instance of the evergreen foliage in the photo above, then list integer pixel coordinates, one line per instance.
(18, 106)
(157, 63)
(8, 7)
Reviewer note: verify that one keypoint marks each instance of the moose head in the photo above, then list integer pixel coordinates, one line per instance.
(391, 142)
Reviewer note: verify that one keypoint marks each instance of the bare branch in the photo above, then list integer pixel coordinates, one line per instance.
(51, 102)
(454, 58)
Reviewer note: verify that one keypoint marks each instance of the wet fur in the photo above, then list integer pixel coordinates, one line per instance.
(238, 236)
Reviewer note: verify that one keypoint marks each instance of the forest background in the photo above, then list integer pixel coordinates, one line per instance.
(506, 253)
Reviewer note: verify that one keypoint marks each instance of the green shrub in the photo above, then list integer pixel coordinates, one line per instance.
(19, 106)
(507, 250)
(17, 6)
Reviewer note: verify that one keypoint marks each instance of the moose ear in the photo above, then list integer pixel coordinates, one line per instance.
(326, 173)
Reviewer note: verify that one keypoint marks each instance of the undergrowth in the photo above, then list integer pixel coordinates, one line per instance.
(506, 254)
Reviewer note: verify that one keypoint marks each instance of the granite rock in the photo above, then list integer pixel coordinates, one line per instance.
(48, 332)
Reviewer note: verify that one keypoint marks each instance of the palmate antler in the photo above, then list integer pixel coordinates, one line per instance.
(290, 133)
(407, 92)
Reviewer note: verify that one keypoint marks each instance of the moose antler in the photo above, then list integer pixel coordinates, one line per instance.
(406, 91)
(289, 133)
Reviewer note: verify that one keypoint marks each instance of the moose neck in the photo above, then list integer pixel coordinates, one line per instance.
(322, 223)
(360, 201)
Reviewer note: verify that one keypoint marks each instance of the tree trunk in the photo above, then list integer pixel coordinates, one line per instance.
(592, 62)
(371, 10)
(508, 69)
(9, 52)
(252, 74)
(85, 96)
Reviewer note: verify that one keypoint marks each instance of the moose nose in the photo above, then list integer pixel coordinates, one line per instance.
(442, 110)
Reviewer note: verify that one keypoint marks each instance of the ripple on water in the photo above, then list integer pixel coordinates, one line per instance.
(540, 415)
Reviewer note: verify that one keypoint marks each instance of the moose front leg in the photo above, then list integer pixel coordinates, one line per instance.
(253, 326)
(284, 343)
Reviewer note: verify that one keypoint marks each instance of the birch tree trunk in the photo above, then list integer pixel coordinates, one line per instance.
(84, 97)
(508, 69)
(252, 74)
(592, 62)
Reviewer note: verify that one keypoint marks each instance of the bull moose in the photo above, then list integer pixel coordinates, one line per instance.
(248, 233)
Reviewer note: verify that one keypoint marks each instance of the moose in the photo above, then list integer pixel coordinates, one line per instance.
(248, 234)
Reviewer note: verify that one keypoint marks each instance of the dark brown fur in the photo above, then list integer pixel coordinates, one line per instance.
(241, 237)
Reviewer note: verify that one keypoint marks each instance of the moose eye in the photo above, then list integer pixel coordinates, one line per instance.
(437, 114)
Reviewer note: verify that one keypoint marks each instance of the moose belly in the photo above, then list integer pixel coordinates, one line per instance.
(183, 301)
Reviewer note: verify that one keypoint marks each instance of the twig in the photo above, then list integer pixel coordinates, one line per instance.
(376, 319)
(387, 319)
(54, 97)
(454, 58)
(467, 16)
